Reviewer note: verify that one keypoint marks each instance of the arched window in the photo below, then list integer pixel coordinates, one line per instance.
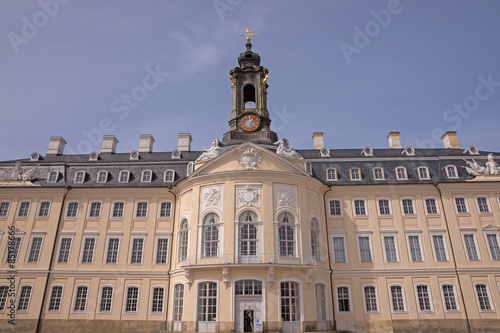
(123, 176)
(286, 235)
(315, 239)
(249, 96)
(53, 175)
(211, 235)
(248, 236)
(401, 173)
(169, 176)
(102, 176)
(183, 240)
(80, 177)
(146, 176)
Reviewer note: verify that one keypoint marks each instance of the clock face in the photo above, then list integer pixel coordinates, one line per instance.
(249, 123)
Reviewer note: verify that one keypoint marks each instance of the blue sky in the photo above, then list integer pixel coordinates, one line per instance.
(355, 70)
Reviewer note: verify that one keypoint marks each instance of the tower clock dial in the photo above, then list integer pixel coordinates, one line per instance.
(249, 123)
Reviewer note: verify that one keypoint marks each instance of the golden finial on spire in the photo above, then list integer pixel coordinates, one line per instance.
(249, 33)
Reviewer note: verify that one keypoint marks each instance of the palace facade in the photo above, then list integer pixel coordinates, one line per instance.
(251, 235)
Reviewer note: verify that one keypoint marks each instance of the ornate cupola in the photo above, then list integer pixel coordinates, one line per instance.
(249, 119)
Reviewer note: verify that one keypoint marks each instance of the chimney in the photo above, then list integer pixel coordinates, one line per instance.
(450, 140)
(109, 144)
(318, 140)
(394, 140)
(56, 145)
(184, 143)
(146, 143)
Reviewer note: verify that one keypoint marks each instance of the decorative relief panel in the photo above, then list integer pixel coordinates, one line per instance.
(211, 197)
(285, 196)
(247, 195)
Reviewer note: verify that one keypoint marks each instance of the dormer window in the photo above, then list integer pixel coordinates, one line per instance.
(423, 173)
(124, 176)
(355, 174)
(308, 167)
(169, 176)
(52, 178)
(401, 173)
(102, 176)
(378, 174)
(451, 171)
(190, 168)
(146, 176)
(331, 174)
(79, 176)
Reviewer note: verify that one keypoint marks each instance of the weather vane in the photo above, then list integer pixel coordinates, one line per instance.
(249, 33)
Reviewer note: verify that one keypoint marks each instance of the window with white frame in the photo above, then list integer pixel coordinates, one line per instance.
(471, 245)
(44, 209)
(72, 210)
(290, 301)
(178, 302)
(35, 249)
(423, 173)
(286, 235)
(190, 168)
(378, 174)
(165, 209)
(248, 287)
(407, 207)
(401, 173)
(315, 239)
(397, 298)
(207, 301)
(52, 177)
(365, 251)
(451, 171)
(391, 253)
(137, 250)
(343, 299)
(4, 292)
(95, 209)
(183, 240)
(88, 250)
(132, 299)
(431, 206)
(4, 208)
(424, 298)
(492, 239)
(106, 300)
(24, 298)
(14, 250)
(331, 174)
(79, 176)
(113, 248)
(439, 245)
(355, 174)
(384, 207)
(124, 176)
(64, 250)
(335, 208)
(370, 299)
(461, 205)
(81, 294)
(141, 209)
(360, 207)
(483, 296)
(483, 205)
(118, 208)
(210, 240)
(161, 250)
(169, 176)
(102, 176)
(146, 176)
(415, 248)
(157, 300)
(55, 299)
(308, 167)
(248, 235)
(24, 208)
(320, 297)
(449, 297)
(339, 252)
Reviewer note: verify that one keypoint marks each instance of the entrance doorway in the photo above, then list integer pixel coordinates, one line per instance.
(248, 323)
(248, 306)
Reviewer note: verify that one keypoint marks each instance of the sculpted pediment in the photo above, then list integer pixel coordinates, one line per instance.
(248, 157)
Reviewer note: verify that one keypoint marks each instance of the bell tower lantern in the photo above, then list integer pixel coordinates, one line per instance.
(249, 120)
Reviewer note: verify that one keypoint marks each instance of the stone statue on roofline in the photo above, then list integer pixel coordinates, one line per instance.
(491, 167)
(211, 152)
(286, 151)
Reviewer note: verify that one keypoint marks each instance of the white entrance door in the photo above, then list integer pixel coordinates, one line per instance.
(241, 308)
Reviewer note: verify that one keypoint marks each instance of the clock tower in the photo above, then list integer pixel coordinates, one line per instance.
(249, 119)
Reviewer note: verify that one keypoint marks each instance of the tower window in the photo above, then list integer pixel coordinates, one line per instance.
(249, 96)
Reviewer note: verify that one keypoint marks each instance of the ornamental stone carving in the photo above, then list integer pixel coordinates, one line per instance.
(248, 197)
(286, 151)
(18, 174)
(248, 157)
(270, 276)
(211, 152)
(212, 197)
(285, 198)
(491, 167)
(225, 276)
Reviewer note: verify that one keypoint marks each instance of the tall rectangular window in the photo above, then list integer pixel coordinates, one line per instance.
(95, 209)
(72, 209)
(335, 208)
(383, 207)
(359, 207)
(142, 209)
(4, 292)
(338, 249)
(207, 301)
(390, 249)
(424, 301)
(88, 250)
(64, 249)
(482, 204)
(24, 298)
(364, 249)
(161, 250)
(55, 298)
(439, 247)
(178, 302)
(320, 302)
(36, 246)
(378, 173)
(81, 299)
(157, 301)
(470, 245)
(4, 208)
(461, 205)
(430, 206)
(408, 207)
(112, 255)
(415, 250)
(24, 209)
(493, 245)
(483, 297)
(118, 208)
(132, 299)
(370, 299)
(44, 209)
(106, 299)
(343, 299)
(398, 304)
(165, 209)
(449, 297)
(137, 248)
